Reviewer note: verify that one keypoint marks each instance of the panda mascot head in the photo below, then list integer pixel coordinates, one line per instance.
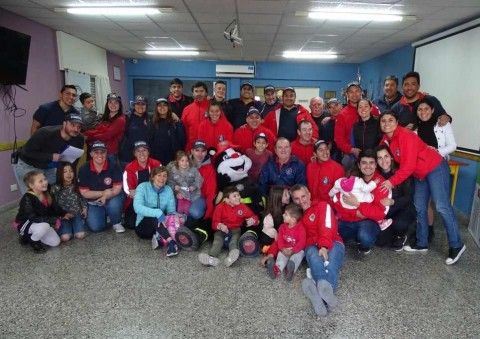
(232, 165)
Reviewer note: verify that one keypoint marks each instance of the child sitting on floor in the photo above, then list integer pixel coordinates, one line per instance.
(290, 242)
(228, 219)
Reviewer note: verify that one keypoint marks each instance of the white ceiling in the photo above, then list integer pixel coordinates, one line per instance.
(267, 27)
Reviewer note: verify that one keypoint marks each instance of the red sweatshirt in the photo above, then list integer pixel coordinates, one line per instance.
(232, 216)
(109, 132)
(271, 123)
(293, 238)
(244, 137)
(413, 155)
(321, 177)
(212, 133)
(209, 187)
(192, 116)
(321, 226)
(303, 152)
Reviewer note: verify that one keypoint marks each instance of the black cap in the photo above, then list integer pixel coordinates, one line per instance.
(161, 100)
(74, 118)
(246, 84)
(252, 110)
(199, 144)
(98, 145)
(333, 101)
(289, 89)
(114, 96)
(139, 144)
(318, 143)
(356, 84)
(268, 88)
(139, 99)
(261, 135)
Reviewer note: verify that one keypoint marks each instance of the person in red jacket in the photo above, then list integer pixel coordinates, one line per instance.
(195, 113)
(302, 147)
(324, 251)
(360, 224)
(216, 128)
(323, 172)
(228, 218)
(196, 231)
(345, 121)
(284, 119)
(245, 135)
(431, 177)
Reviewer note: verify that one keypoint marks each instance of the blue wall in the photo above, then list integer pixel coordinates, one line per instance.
(326, 76)
(467, 177)
(397, 62)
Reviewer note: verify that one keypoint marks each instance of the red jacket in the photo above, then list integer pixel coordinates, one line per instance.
(232, 216)
(244, 137)
(347, 117)
(413, 155)
(303, 152)
(294, 238)
(321, 226)
(209, 187)
(130, 176)
(192, 116)
(373, 210)
(321, 177)
(109, 132)
(212, 133)
(271, 122)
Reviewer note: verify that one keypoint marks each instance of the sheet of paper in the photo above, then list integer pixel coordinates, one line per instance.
(71, 154)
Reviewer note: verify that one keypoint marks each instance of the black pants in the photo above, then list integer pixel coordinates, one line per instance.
(130, 218)
(148, 226)
(401, 222)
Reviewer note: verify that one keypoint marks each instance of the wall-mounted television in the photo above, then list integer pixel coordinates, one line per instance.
(14, 50)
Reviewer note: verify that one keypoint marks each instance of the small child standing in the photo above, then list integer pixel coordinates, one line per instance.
(361, 190)
(228, 218)
(259, 155)
(291, 243)
(186, 182)
(67, 196)
(37, 214)
(278, 198)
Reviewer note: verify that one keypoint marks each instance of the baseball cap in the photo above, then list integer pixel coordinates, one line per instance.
(268, 88)
(354, 83)
(199, 144)
(161, 100)
(289, 89)
(114, 96)
(74, 118)
(98, 145)
(318, 143)
(333, 101)
(261, 135)
(246, 84)
(140, 99)
(252, 110)
(139, 144)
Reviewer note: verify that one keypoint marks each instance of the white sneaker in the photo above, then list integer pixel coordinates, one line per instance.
(155, 243)
(309, 273)
(208, 260)
(118, 228)
(232, 257)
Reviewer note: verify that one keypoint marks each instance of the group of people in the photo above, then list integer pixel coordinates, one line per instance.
(362, 171)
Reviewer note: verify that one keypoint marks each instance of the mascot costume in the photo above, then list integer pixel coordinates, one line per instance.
(232, 170)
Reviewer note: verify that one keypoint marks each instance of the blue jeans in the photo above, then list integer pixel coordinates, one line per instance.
(197, 208)
(436, 185)
(21, 168)
(365, 231)
(72, 226)
(97, 215)
(335, 259)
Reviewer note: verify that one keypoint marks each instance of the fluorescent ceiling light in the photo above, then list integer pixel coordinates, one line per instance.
(172, 52)
(110, 10)
(308, 55)
(347, 16)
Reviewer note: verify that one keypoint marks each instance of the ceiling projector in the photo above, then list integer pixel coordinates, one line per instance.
(232, 34)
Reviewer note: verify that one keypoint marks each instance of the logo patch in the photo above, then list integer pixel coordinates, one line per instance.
(312, 217)
(240, 212)
(107, 181)
(288, 171)
(240, 187)
(325, 180)
(397, 152)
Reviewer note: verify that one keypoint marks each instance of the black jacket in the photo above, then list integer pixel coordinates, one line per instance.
(366, 134)
(33, 211)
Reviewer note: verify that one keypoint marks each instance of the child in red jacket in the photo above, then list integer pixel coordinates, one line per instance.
(228, 219)
(291, 241)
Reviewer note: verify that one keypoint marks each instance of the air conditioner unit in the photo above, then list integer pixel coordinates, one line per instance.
(235, 71)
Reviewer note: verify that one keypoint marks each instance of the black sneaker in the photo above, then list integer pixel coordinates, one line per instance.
(172, 248)
(454, 254)
(398, 243)
(22, 241)
(37, 246)
(362, 252)
(415, 248)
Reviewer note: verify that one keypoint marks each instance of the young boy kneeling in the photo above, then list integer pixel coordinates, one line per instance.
(228, 218)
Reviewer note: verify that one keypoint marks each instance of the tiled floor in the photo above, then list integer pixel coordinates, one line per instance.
(115, 286)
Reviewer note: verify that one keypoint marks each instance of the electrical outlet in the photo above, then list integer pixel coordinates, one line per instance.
(13, 188)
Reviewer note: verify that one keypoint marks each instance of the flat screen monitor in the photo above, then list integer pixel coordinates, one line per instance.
(14, 50)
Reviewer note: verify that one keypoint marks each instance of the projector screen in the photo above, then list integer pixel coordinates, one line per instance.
(450, 70)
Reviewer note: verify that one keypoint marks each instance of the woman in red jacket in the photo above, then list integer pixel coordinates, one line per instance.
(216, 128)
(432, 178)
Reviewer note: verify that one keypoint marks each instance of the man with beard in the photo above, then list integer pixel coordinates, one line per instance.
(390, 96)
(178, 101)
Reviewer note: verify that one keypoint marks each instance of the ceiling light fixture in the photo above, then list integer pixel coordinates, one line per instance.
(349, 16)
(309, 55)
(172, 52)
(110, 10)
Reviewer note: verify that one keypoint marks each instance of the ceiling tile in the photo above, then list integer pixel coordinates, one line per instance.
(252, 19)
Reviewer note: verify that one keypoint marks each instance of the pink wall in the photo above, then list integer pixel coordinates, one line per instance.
(44, 81)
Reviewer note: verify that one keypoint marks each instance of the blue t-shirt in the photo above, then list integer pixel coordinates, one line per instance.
(110, 176)
(51, 114)
(287, 126)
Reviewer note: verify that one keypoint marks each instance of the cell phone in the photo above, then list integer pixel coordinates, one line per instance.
(94, 203)
(14, 157)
